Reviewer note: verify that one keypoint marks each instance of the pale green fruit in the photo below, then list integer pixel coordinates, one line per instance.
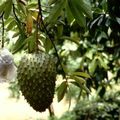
(36, 78)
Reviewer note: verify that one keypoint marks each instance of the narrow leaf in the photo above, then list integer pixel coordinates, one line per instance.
(8, 8)
(79, 80)
(61, 90)
(102, 63)
(70, 17)
(50, 2)
(2, 7)
(84, 6)
(82, 74)
(20, 43)
(92, 66)
(56, 10)
(77, 13)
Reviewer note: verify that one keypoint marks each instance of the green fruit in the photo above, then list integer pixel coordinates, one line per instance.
(36, 78)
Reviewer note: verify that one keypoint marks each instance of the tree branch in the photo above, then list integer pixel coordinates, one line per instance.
(3, 29)
(48, 35)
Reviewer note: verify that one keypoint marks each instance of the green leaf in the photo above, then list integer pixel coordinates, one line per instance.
(50, 2)
(56, 11)
(102, 63)
(2, 7)
(31, 43)
(92, 66)
(11, 25)
(20, 43)
(81, 82)
(21, 7)
(8, 8)
(8, 21)
(71, 39)
(15, 34)
(82, 74)
(77, 13)
(69, 15)
(75, 83)
(61, 90)
(47, 45)
(85, 7)
(59, 31)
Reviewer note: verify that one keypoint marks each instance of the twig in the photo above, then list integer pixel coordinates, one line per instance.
(3, 29)
(41, 16)
(51, 110)
(78, 98)
(15, 14)
(17, 19)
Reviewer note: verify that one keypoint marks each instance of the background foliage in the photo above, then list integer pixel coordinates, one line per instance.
(84, 33)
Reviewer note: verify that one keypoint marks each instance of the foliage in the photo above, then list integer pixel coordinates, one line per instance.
(39, 25)
(96, 108)
(84, 35)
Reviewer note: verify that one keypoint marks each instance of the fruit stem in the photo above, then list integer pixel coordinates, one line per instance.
(51, 111)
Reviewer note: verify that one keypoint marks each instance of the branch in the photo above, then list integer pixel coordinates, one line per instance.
(3, 29)
(15, 14)
(51, 110)
(46, 31)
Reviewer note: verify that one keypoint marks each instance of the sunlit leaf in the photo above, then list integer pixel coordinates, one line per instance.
(102, 63)
(71, 39)
(82, 74)
(92, 66)
(81, 82)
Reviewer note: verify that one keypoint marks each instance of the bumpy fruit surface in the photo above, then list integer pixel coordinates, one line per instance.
(36, 78)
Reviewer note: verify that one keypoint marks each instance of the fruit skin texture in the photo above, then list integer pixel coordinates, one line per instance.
(36, 78)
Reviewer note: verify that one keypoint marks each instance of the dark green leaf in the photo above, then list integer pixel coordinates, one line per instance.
(56, 11)
(48, 45)
(50, 2)
(82, 74)
(61, 90)
(20, 43)
(77, 13)
(70, 17)
(2, 7)
(21, 7)
(84, 6)
(8, 8)
(79, 80)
